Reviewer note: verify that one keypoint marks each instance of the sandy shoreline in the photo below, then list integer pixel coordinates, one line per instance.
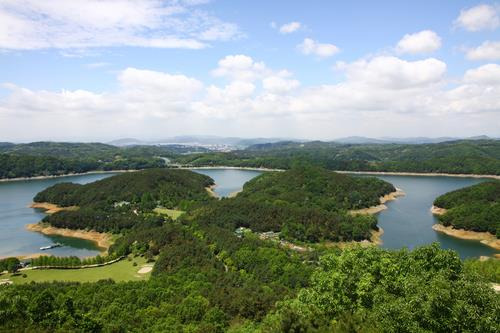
(375, 240)
(377, 209)
(484, 237)
(211, 191)
(103, 240)
(51, 208)
(375, 173)
(421, 174)
(226, 167)
(65, 175)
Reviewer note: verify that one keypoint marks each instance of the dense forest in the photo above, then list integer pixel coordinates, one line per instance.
(122, 201)
(475, 208)
(472, 157)
(306, 203)
(208, 278)
(59, 158)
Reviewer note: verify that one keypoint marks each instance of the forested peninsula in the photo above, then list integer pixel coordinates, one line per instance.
(474, 209)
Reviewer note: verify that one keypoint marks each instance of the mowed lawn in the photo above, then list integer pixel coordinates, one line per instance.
(172, 213)
(123, 270)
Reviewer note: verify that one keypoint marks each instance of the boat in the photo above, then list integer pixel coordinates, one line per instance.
(43, 248)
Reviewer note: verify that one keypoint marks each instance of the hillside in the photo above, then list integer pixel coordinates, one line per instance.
(475, 208)
(108, 204)
(306, 203)
(317, 187)
(464, 156)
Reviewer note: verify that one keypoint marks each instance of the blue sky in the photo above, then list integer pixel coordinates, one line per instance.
(99, 70)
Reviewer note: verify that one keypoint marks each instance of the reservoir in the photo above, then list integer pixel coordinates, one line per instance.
(407, 222)
(15, 198)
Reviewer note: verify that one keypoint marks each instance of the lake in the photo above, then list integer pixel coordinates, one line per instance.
(15, 198)
(407, 222)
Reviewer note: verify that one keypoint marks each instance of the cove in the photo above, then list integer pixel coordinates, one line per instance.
(15, 240)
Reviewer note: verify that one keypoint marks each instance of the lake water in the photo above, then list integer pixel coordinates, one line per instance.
(15, 198)
(407, 222)
(228, 180)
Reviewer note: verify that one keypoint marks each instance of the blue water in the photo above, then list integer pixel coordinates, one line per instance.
(408, 221)
(15, 198)
(228, 180)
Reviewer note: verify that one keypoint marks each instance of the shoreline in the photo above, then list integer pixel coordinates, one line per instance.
(226, 167)
(378, 208)
(103, 240)
(96, 172)
(50, 208)
(420, 174)
(375, 240)
(375, 173)
(483, 237)
(211, 191)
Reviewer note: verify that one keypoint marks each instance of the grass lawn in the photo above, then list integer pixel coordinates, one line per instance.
(119, 271)
(172, 213)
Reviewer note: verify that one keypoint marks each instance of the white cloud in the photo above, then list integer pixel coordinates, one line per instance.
(485, 75)
(78, 24)
(478, 18)
(486, 51)
(380, 94)
(279, 85)
(425, 41)
(394, 73)
(290, 27)
(312, 47)
(241, 68)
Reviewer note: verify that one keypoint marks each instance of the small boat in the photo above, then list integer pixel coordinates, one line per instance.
(43, 248)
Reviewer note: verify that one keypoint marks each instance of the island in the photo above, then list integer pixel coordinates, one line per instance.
(471, 213)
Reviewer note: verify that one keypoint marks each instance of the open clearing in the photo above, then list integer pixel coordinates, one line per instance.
(123, 270)
(172, 213)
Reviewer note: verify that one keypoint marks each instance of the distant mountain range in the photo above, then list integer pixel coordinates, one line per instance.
(414, 140)
(200, 140)
(222, 143)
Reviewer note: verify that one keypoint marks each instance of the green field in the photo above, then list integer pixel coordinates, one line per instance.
(172, 213)
(123, 270)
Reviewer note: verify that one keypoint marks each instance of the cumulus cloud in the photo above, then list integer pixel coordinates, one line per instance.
(312, 47)
(394, 73)
(486, 51)
(378, 89)
(32, 24)
(425, 41)
(485, 75)
(279, 85)
(481, 17)
(288, 28)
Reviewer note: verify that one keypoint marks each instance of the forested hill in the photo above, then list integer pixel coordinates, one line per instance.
(108, 204)
(475, 208)
(464, 156)
(306, 203)
(58, 158)
(317, 187)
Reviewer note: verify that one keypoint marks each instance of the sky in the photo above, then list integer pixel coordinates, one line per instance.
(91, 70)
